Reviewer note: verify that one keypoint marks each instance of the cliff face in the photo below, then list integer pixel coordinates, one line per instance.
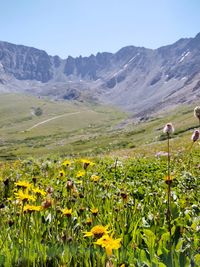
(134, 78)
(25, 63)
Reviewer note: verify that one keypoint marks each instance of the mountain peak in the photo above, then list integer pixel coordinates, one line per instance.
(133, 78)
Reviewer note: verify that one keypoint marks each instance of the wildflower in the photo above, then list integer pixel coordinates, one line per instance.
(197, 112)
(66, 163)
(50, 190)
(109, 243)
(23, 184)
(86, 163)
(89, 221)
(168, 179)
(124, 196)
(39, 192)
(47, 203)
(168, 129)
(94, 211)
(67, 212)
(95, 178)
(31, 208)
(24, 196)
(69, 185)
(61, 173)
(97, 231)
(195, 135)
(80, 174)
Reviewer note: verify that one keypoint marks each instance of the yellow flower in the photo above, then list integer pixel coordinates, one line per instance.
(87, 163)
(61, 173)
(94, 211)
(80, 174)
(95, 178)
(23, 184)
(39, 191)
(97, 231)
(24, 196)
(31, 208)
(67, 212)
(89, 221)
(66, 163)
(108, 243)
(168, 179)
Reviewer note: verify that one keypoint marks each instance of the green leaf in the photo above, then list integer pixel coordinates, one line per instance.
(179, 245)
(160, 264)
(197, 259)
(163, 244)
(143, 257)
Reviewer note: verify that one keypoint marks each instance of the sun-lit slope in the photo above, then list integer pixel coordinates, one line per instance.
(74, 128)
(24, 133)
(147, 138)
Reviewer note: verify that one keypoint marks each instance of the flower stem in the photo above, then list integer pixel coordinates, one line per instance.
(169, 187)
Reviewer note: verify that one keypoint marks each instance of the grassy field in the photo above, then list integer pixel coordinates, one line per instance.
(75, 129)
(100, 212)
(133, 205)
(62, 128)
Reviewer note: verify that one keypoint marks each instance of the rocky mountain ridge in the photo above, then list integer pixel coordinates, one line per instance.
(136, 79)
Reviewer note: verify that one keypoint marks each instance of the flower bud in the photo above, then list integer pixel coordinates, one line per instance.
(69, 185)
(195, 135)
(168, 129)
(197, 112)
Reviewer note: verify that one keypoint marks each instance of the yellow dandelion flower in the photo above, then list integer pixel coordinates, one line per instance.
(39, 192)
(23, 184)
(67, 212)
(31, 208)
(94, 211)
(24, 196)
(97, 231)
(87, 163)
(80, 174)
(108, 243)
(66, 163)
(89, 221)
(95, 178)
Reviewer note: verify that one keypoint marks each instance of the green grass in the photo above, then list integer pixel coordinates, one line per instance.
(92, 130)
(130, 193)
(130, 197)
(75, 123)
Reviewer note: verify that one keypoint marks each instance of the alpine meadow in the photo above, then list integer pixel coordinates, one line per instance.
(100, 156)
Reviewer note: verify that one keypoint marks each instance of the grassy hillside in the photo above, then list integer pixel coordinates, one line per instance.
(147, 138)
(61, 127)
(74, 129)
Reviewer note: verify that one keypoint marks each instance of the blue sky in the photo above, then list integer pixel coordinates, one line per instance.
(84, 27)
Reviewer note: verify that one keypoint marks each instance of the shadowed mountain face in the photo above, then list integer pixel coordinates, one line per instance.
(136, 79)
